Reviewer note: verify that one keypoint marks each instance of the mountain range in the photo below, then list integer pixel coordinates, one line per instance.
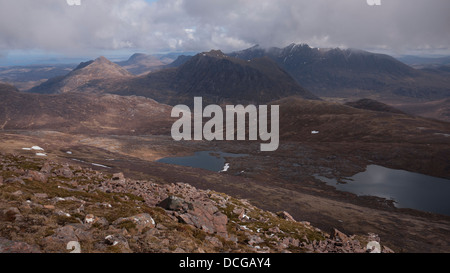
(352, 73)
(258, 75)
(213, 75)
(140, 63)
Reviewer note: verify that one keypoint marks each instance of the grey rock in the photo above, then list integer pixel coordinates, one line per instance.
(175, 203)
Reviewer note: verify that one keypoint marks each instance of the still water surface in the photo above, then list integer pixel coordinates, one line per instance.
(407, 189)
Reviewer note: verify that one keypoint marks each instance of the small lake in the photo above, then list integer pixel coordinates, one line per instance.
(407, 189)
(208, 160)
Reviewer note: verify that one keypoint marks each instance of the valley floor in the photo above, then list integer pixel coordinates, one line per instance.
(280, 181)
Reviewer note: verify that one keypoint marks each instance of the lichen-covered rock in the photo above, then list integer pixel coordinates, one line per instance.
(285, 215)
(36, 176)
(141, 221)
(175, 203)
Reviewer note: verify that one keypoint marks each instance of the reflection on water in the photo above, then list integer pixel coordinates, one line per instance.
(407, 189)
(208, 160)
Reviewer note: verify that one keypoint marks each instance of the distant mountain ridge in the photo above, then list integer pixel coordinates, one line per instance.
(213, 75)
(351, 72)
(100, 68)
(140, 63)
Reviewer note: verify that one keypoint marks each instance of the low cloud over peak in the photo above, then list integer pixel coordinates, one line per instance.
(199, 25)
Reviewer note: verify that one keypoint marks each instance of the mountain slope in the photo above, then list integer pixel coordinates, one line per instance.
(141, 63)
(100, 68)
(336, 122)
(7, 89)
(373, 105)
(214, 76)
(439, 109)
(83, 113)
(351, 72)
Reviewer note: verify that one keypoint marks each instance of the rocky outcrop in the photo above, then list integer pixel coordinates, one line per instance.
(64, 208)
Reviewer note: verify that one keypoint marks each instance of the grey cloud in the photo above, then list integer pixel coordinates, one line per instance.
(197, 25)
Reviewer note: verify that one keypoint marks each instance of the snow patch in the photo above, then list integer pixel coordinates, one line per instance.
(37, 148)
(41, 154)
(314, 132)
(100, 165)
(225, 168)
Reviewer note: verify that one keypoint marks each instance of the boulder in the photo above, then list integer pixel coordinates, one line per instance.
(118, 177)
(142, 221)
(373, 247)
(286, 216)
(59, 240)
(175, 204)
(207, 218)
(36, 176)
(46, 168)
(11, 214)
(65, 172)
(119, 242)
(41, 195)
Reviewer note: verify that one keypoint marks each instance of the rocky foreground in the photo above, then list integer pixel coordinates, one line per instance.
(50, 207)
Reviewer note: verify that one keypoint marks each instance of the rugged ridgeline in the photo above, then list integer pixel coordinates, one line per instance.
(100, 68)
(140, 63)
(82, 113)
(212, 75)
(45, 205)
(352, 73)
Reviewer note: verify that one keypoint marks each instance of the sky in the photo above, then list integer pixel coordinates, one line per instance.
(53, 28)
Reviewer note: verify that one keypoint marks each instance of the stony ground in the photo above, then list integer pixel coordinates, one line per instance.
(49, 207)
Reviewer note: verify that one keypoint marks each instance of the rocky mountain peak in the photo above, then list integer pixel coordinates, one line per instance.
(214, 53)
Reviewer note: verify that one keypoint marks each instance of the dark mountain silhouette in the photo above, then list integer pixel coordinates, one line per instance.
(179, 61)
(373, 105)
(351, 72)
(212, 75)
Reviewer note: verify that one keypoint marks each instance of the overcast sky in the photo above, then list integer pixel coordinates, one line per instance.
(398, 26)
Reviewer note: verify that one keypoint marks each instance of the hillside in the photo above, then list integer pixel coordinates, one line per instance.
(337, 122)
(100, 68)
(439, 109)
(373, 105)
(76, 112)
(54, 204)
